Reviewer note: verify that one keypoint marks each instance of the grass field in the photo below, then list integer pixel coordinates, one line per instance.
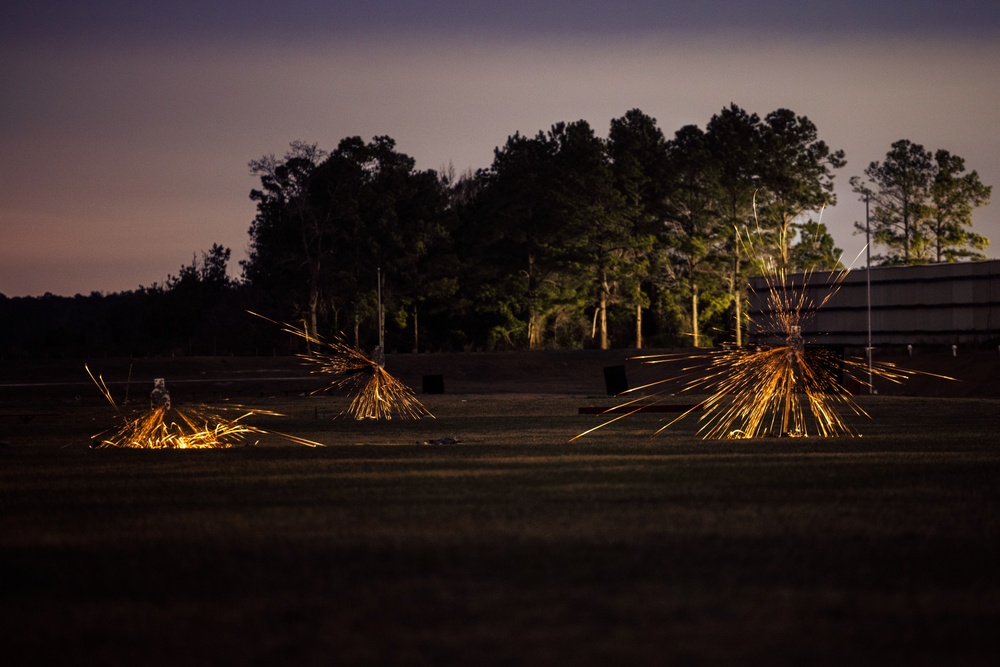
(511, 547)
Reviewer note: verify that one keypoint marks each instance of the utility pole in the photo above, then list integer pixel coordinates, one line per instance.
(868, 272)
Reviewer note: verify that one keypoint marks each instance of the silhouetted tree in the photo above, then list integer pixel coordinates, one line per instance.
(637, 150)
(899, 188)
(694, 230)
(921, 206)
(954, 195)
(289, 237)
(796, 174)
(737, 147)
(594, 219)
(815, 249)
(328, 225)
(521, 242)
(190, 299)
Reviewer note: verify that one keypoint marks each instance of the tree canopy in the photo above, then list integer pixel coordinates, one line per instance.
(567, 239)
(921, 206)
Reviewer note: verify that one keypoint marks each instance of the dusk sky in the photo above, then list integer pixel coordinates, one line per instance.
(126, 128)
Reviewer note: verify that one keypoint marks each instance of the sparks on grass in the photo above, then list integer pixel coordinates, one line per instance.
(376, 394)
(778, 387)
(164, 426)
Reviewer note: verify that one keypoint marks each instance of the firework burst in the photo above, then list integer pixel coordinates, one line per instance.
(376, 394)
(164, 426)
(777, 387)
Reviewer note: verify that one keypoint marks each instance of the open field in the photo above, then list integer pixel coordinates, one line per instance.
(511, 547)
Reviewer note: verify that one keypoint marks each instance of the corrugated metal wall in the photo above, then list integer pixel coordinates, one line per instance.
(936, 304)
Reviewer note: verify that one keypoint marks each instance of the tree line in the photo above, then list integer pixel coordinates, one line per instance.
(567, 240)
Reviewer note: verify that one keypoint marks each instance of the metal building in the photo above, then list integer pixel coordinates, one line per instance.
(931, 304)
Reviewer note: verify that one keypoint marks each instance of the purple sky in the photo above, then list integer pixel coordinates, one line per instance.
(126, 128)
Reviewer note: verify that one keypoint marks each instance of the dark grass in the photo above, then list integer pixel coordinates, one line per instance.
(512, 547)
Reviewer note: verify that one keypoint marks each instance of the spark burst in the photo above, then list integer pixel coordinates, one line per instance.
(779, 387)
(376, 393)
(163, 426)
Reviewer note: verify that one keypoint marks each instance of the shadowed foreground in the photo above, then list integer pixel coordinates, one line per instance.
(511, 547)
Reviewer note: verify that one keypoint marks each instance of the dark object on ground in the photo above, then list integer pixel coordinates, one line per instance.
(615, 380)
(433, 384)
(442, 441)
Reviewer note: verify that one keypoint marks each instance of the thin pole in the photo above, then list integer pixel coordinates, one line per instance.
(868, 274)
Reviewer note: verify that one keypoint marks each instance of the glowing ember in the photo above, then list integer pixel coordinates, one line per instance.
(376, 393)
(163, 426)
(777, 388)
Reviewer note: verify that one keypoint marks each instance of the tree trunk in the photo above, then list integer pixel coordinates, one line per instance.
(638, 326)
(603, 309)
(739, 319)
(694, 315)
(305, 325)
(336, 316)
(534, 335)
(604, 318)
(737, 295)
(416, 331)
(786, 242)
(937, 244)
(906, 230)
(313, 308)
